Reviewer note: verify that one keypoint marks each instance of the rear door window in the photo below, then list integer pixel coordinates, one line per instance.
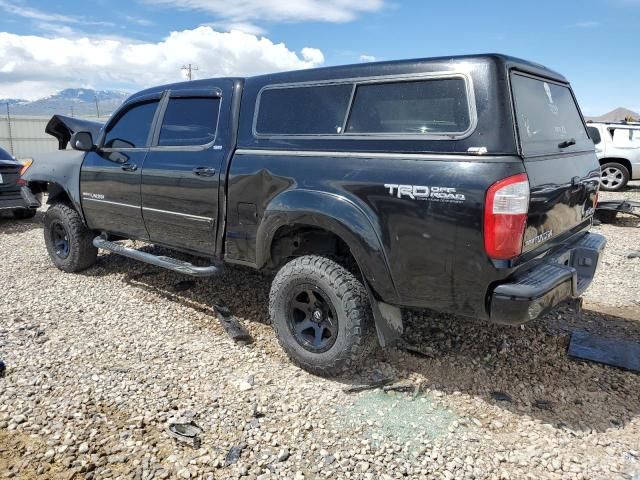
(131, 129)
(548, 119)
(189, 121)
(303, 110)
(436, 106)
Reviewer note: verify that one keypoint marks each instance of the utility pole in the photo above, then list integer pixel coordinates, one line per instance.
(190, 68)
(95, 97)
(9, 129)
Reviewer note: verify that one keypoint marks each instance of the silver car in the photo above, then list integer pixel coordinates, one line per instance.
(618, 149)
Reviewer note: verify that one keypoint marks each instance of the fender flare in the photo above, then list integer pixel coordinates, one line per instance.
(62, 169)
(338, 215)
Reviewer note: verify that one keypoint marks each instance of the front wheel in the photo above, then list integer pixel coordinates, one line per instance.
(321, 315)
(68, 240)
(613, 177)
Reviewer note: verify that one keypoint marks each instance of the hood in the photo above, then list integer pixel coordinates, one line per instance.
(62, 127)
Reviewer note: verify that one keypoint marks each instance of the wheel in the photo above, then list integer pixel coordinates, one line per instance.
(321, 315)
(68, 240)
(613, 177)
(24, 213)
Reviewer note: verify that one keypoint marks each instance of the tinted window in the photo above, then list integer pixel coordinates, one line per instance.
(548, 117)
(594, 133)
(190, 121)
(309, 110)
(131, 129)
(416, 107)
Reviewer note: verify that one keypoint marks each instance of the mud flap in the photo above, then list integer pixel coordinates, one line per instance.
(388, 320)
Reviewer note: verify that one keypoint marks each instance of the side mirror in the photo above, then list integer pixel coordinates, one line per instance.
(82, 141)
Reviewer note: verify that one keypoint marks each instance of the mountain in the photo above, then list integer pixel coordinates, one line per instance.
(79, 102)
(617, 115)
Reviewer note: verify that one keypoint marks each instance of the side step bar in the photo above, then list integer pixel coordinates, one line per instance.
(159, 261)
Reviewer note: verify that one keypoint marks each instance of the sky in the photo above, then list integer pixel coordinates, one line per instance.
(129, 45)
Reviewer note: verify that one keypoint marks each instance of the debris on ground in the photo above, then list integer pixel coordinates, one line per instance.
(186, 432)
(401, 387)
(607, 211)
(367, 386)
(232, 325)
(501, 397)
(609, 351)
(233, 455)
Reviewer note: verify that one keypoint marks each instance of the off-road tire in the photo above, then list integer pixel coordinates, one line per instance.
(623, 181)
(81, 252)
(356, 337)
(24, 213)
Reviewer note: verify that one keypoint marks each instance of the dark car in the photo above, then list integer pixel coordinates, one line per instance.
(461, 184)
(11, 198)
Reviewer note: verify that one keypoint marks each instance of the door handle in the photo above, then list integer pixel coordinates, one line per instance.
(129, 167)
(204, 171)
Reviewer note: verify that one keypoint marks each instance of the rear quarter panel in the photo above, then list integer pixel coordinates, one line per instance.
(433, 246)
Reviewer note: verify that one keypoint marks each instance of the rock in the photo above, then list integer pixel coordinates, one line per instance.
(83, 448)
(283, 455)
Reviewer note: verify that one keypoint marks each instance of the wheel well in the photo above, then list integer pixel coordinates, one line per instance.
(622, 161)
(296, 240)
(57, 194)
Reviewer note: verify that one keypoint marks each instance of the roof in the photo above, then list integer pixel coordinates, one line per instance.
(424, 64)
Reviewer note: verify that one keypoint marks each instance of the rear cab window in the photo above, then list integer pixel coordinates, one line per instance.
(547, 117)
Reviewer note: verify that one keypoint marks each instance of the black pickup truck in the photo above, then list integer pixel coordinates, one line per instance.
(462, 184)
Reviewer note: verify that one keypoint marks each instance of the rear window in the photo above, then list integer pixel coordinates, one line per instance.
(414, 107)
(594, 133)
(305, 110)
(4, 155)
(548, 118)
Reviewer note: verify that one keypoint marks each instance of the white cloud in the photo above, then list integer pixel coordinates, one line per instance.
(367, 58)
(33, 13)
(34, 66)
(585, 24)
(278, 10)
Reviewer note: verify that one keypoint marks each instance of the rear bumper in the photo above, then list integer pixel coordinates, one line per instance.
(560, 277)
(19, 199)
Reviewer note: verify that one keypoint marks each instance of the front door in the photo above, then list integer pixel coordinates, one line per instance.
(181, 173)
(111, 175)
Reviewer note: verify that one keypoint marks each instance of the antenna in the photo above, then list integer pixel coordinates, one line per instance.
(190, 68)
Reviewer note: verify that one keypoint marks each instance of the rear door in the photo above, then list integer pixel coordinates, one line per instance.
(110, 176)
(181, 174)
(559, 158)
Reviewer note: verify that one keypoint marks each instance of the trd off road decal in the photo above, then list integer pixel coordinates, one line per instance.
(423, 192)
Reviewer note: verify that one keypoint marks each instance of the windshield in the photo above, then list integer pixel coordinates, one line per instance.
(548, 118)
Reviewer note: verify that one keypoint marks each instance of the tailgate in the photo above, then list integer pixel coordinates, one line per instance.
(559, 158)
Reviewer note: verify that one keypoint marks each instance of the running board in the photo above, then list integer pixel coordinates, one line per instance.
(159, 261)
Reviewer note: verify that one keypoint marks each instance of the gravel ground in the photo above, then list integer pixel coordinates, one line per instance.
(99, 363)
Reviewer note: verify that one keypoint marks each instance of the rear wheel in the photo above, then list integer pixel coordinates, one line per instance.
(321, 316)
(613, 177)
(68, 240)
(24, 213)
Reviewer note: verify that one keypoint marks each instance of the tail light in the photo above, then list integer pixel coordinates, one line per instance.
(25, 166)
(505, 216)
